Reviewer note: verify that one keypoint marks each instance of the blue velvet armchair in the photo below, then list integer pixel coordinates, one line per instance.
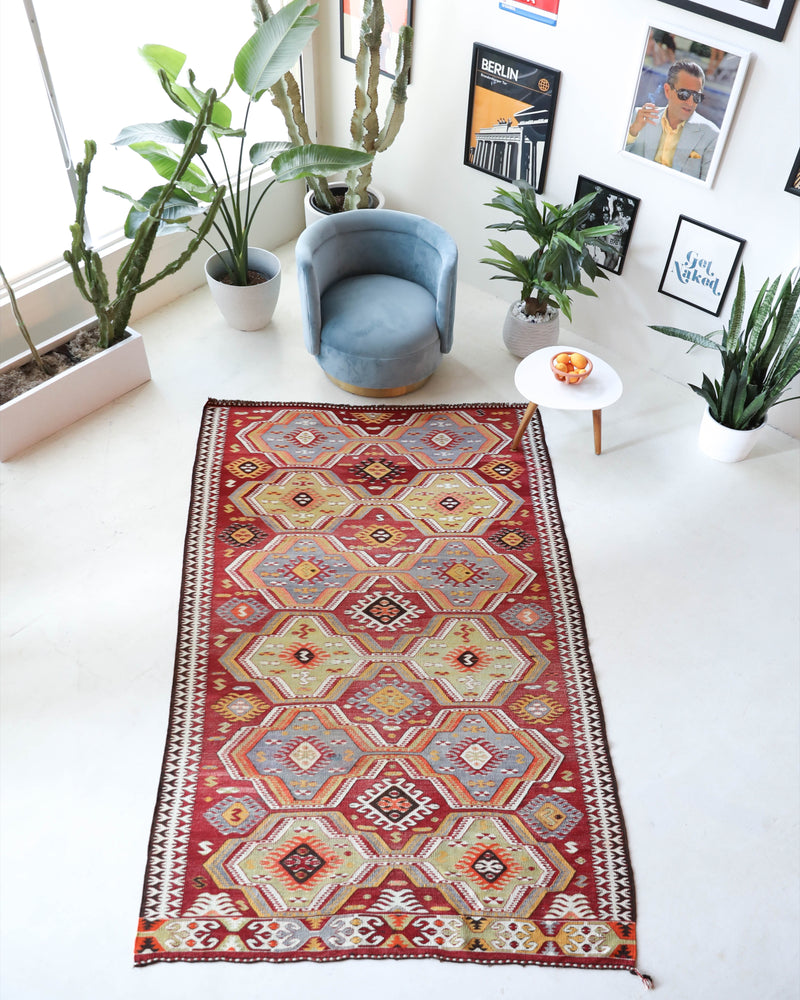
(377, 291)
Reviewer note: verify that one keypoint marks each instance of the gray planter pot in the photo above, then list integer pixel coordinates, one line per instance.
(248, 307)
(522, 335)
(313, 213)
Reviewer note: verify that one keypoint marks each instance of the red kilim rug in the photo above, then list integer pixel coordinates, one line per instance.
(385, 737)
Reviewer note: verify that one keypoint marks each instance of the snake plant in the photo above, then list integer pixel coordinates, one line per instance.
(760, 357)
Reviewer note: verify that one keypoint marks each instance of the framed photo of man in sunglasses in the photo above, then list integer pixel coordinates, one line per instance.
(684, 102)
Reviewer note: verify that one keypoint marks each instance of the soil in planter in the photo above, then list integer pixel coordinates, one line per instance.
(253, 278)
(82, 346)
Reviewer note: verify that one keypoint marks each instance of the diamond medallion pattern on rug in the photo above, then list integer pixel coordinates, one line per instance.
(385, 737)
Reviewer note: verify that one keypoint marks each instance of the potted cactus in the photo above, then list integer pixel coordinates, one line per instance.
(93, 363)
(244, 280)
(368, 135)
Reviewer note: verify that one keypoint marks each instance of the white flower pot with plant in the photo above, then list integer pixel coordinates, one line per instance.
(262, 61)
(760, 357)
(552, 271)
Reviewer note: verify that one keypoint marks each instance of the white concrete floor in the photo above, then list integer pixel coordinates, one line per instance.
(688, 571)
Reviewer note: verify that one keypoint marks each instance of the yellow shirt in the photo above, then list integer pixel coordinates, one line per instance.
(669, 141)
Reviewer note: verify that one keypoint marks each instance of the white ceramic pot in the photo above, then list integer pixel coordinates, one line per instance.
(724, 443)
(73, 393)
(248, 307)
(522, 335)
(312, 212)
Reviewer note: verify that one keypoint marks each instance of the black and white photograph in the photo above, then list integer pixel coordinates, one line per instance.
(512, 105)
(700, 265)
(793, 181)
(614, 206)
(763, 17)
(684, 102)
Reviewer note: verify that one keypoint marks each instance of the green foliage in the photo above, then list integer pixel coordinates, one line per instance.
(22, 327)
(263, 61)
(367, 133)
(561, 258)
(159, 210)
(759, 358)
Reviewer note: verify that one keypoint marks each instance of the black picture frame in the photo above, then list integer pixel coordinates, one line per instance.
(349, 23)
(700, 265)
(510, 116)
(770, 19)
(793, 180)
(610, 205)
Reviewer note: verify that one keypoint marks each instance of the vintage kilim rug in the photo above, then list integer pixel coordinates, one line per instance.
(385, 736)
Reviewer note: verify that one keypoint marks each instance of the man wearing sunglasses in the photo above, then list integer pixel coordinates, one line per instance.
(676, 135)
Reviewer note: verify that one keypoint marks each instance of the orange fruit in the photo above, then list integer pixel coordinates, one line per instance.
(578, 360)
(563, 359)
(561, 366)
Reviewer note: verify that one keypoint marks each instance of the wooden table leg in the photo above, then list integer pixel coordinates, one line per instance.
(597, 430)
(526, 419)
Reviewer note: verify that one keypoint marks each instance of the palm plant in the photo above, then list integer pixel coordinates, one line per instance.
(561, 258)
(760, 357)
(263, 61)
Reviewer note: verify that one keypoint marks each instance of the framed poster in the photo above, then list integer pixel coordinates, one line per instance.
(684, 101)
(793, 182)
(609, 205)
(512, 105)
(537, 10)
(700, 265)
(396, 14)
(763, 17)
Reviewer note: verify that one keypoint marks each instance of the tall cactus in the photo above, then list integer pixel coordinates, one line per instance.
(113, 313)
(365, 127)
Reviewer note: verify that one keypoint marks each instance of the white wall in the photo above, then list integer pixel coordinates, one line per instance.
(597, 46)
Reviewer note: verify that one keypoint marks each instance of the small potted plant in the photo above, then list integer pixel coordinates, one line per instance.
(87, 366)
(760, 357)
(366, 130)
(553, 270)
(244, 280)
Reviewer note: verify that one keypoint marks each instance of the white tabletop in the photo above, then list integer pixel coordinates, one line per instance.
(535, 380)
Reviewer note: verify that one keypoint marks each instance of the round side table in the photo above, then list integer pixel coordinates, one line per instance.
(534, 379)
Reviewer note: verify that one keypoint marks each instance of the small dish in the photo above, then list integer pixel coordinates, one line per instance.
(570, 367)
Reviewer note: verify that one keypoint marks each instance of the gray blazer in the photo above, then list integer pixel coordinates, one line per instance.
(699, 136)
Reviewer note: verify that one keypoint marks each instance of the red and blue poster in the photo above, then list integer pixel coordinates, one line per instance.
(537, 10)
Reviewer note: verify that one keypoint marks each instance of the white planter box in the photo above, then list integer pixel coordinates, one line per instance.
(71, 394)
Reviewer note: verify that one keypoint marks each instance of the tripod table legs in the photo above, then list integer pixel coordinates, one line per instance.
(531, 409)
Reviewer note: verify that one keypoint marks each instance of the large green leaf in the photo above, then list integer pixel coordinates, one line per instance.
(172, 131)
(313, 160)
(162, 57)
(165, 162)
(274, 48)
(175, 217)
(262, 152)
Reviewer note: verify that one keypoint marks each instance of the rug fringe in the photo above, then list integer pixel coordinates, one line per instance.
(646, 980)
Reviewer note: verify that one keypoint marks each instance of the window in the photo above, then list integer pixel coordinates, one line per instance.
(101, 84)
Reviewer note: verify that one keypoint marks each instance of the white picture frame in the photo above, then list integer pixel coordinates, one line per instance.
(702, 138)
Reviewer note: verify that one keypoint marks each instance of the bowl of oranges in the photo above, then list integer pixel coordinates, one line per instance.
(570, 367)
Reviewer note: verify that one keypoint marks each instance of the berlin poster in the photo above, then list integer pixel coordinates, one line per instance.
(510, 119)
